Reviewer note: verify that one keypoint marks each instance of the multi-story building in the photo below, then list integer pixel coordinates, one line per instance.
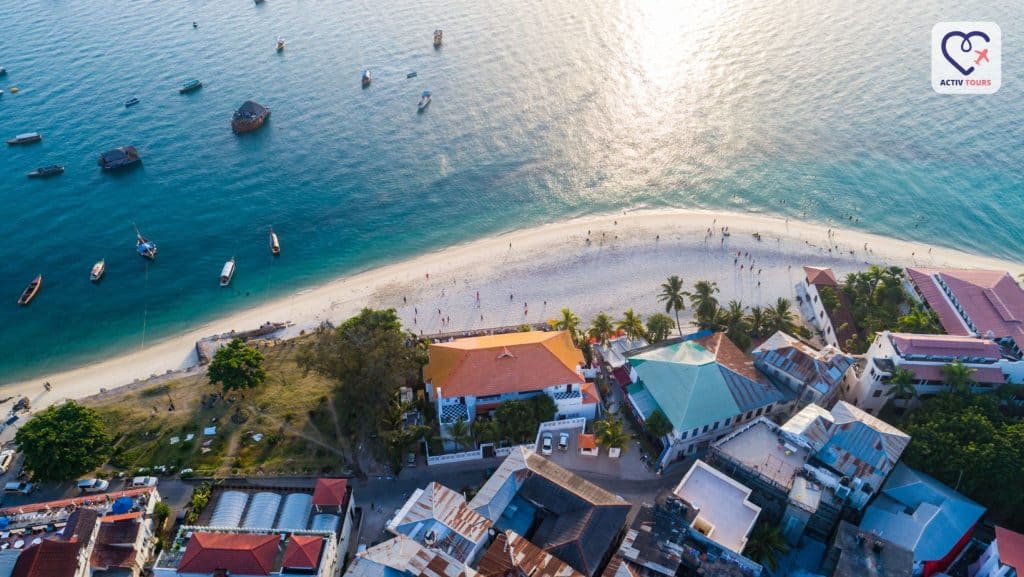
(719, 507)
(472, 376)
(705, 386)
(440, 518)
(835, 326)
(1003, 557)
(813, 375)
(980, 303)
(925, 356)
(858, 553)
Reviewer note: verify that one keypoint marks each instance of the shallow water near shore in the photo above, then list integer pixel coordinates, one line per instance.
(541, 111)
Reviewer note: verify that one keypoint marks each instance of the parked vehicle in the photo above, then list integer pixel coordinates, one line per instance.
(411, 460)
(15, 487)
(144, 482)
(93, 485)
(6, 459)
(545, 444)
(563, 441)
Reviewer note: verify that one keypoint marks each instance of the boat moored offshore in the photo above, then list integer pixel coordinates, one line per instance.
(249, 116)
(131, 102)
(280, 44)
(424, 101)
(44, 171)
(31, 291)
(438, 38)
(190, 86)
(275, 246)
(144, 246)
(119, 157)
(228, 272)
(25, 138)
(366, 78)
(97, 270)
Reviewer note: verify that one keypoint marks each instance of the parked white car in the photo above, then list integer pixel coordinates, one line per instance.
(16, 487)
(6, 460)
(144, 482)
(563, 441)
(93, 485)
(545, 444)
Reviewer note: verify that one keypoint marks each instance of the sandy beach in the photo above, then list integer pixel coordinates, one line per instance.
(602, 263)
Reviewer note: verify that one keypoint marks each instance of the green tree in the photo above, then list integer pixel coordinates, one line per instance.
(237, 366)
(919, 321)
(486, 431)
(765, 545)
(734, 322)
(632, 324)
(601, 328)
(370, 357)
(756, 320)
(829, 298)
(704, 303)
(542, 407)
(611, 434)
(516, 421)
(673, 295)
(569, 322)
(657, 424)
(63, 442)
(901, 385)
(460, 433)
(781, 317)
(958, 376)
(659, 327)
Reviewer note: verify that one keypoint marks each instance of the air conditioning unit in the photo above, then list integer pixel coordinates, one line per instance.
(842, 492)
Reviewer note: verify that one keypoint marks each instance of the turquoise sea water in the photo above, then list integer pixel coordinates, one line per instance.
(543, 109)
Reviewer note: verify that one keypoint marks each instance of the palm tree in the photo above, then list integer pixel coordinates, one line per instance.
(601, 328)
(486, 431)
(460, 433)
(632, 324)
(733, 321)
(765, 545)
(756, 319)
(780, 316)
(610, 434)
(958, 376)
(569, 322)
(672, 294)
(703, 302)
(659, 327)
(901, 385)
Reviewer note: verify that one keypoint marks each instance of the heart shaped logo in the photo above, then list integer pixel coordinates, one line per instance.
(965, 48)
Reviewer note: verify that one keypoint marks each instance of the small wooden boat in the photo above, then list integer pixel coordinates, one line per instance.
(3, 71)
(228, 272)
(144, 247)
(97, 270)
(424, 101)
(280, 44)
(438, 38)
(250, 116)
(131, 102)
(366, 78)
(119, 157)
(190, 86)
(44, 171)
(31, 290)
(275, 246)
(411, 74)
(25, 138)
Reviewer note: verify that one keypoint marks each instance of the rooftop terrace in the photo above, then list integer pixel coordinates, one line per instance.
(761, 447)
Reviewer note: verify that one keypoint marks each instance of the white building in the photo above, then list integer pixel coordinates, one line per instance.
(925, 356)
(722, 507)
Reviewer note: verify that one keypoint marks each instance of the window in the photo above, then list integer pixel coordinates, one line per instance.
(750, 414)
(695, 431)
(715, 428)
(822, 315)
(705, 428)
(684, 435)
(829, 331)
(768, 409)
(877, 393)
(758, 413)
(727, 419)
(872, 371)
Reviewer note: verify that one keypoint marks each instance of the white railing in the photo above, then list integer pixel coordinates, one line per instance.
(455, 457)
(576, 423)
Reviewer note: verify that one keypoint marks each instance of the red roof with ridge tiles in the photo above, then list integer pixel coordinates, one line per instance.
(991, 299)
(303, 552)
(1011, 548)
(330, 492)
(239, 553)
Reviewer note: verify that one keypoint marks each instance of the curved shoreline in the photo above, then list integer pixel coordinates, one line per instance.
(627, 256)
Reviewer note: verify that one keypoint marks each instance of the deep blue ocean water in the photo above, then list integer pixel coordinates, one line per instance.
(543, 109)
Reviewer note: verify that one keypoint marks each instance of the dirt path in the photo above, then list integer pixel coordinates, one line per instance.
(230, 455)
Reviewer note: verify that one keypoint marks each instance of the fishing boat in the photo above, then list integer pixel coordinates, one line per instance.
(3, 71)
(438, 38)
(366, 78)
(411, 74)
(97, 270)
(190, 86)
(280, 44)
(25, 138)
(31, 290)
(424, 101)
(131, 102)
(275, 246)
(119, 157)
(44, 171)
(144, 247)
(227, 272)
(250, 116)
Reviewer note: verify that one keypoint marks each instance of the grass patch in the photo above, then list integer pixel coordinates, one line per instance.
(142, 425)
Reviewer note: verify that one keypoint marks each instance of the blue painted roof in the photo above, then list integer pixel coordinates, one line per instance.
(920, 513)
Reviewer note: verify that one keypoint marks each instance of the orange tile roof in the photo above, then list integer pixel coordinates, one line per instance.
(495, 364)
(303, 552)
(330, 492)
(239, 553)
(589, 391)
(730, 356)
(587, 441)
(820, 276)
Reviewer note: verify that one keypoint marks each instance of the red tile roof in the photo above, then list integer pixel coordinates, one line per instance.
(513, 362)
(330, 492)
(820, 276)
(589, 391)
(990, 299)
(587, 441)
(984, 375)
(730, 356)
(303, 552)
(237, 552)
(1011, 548)
(945, 346)
(47, 559)
(115, 545)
